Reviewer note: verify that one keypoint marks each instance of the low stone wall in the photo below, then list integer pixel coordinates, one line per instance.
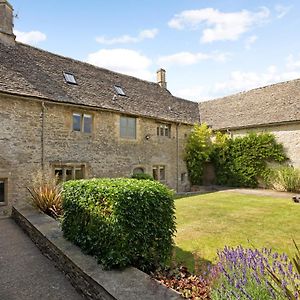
(82, 270)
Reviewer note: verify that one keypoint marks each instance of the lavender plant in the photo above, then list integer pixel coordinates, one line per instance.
(253, 274)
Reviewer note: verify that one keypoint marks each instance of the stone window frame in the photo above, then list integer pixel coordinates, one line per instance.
(5, 180)
(64, 167)
(127, 136)
(82, 116)
(158, 176)
(163, 130)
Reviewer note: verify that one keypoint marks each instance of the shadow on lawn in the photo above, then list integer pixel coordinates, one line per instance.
(203, 190)
(193, 261)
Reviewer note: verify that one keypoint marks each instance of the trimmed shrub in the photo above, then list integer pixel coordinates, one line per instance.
(142, 176)
(122, 222)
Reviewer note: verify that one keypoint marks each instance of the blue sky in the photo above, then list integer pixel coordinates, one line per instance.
(208, 48)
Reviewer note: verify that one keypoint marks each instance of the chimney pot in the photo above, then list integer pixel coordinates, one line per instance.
(7, 36)
(161, 78)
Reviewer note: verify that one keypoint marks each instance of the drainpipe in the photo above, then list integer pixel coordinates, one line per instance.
(177, 157)
(43, 137)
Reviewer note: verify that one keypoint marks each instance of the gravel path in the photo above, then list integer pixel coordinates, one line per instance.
(25, 274)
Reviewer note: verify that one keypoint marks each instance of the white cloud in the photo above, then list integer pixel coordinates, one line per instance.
(293, 63)
(249, 41)
(282, 10)
(31, 37)
(241, 81)
(126, 39)
(125, 61)
(188, 58)
(194, 93)
(219, 26)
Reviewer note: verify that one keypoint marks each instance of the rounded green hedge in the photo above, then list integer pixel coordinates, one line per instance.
(122, 222)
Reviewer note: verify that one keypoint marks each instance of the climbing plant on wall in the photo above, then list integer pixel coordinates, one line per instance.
(242, 160)
(198, 151)
(239, 161)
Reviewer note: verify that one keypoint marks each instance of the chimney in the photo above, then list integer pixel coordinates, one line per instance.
(7, 36)
(161, 78)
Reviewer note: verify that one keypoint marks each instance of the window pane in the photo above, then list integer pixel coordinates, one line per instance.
(131, 122)
(87, 123)
(167, 131)
(161, 130)
(79, 173)
(128, 127)
(2, 191)
(162, 173)
(70, 78)
(59, 174)
(157, 130)
(155, 173)
(69, 174)
(131, 133)
(123, 122)
(123, 132)
(76, 122)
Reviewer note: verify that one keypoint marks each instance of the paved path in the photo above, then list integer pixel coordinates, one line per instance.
(25, 274)
(262, 192)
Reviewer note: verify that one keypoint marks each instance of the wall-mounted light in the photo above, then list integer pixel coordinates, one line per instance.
(147, 137)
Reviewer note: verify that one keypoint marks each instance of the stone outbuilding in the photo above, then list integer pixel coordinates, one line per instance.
(274, 108)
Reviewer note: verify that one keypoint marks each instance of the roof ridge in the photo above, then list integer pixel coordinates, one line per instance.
(252, 90)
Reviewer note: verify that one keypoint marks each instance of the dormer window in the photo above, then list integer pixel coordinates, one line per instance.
(70, 78)
(119, 90)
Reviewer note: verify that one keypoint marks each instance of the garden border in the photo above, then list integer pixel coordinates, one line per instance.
(83, 271)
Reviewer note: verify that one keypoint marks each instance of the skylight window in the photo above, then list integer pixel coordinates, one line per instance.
(70, 78)
(119, 90)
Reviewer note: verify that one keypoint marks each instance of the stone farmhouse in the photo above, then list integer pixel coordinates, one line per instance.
(81, 121)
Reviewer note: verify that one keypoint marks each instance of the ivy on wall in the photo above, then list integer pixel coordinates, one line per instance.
(238, 162)
(198, 151)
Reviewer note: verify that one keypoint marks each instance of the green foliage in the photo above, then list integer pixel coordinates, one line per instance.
(120, 221)
(198, 151)
(242, 160)
(142, 176)
(285, 179)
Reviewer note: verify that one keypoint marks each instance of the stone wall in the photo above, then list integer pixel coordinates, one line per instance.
(288, 135)
(103, 152)
(83, 272)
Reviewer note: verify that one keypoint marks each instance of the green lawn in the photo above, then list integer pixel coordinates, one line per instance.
(208, 222)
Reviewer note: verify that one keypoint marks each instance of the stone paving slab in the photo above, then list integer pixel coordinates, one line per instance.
(25, 274)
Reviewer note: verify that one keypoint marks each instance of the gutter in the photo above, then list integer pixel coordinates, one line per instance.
(254, 126)
(51, 101)
(177, 157)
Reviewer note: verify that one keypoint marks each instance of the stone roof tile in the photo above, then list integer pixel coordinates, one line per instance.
(29, 71)
(277, 103)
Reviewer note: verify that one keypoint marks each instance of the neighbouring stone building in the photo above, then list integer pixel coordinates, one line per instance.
(274, 108)
(81, 121)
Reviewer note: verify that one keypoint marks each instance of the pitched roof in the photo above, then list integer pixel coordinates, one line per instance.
(29, 71)
(277, 103)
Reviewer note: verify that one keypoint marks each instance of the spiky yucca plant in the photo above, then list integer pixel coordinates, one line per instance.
(46, 193)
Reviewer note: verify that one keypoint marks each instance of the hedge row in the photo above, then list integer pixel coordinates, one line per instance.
(122, 222)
